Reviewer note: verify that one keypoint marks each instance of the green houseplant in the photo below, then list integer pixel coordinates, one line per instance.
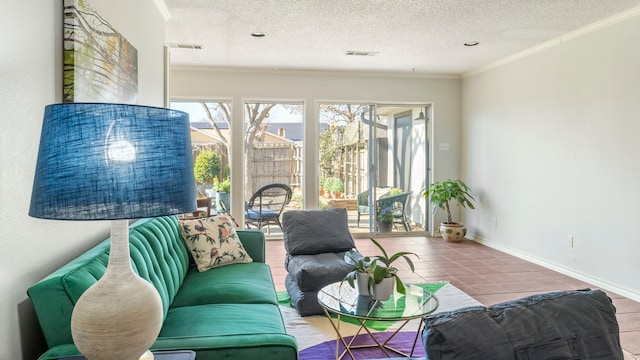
(440, 194)
(361, 272)
(383, 273)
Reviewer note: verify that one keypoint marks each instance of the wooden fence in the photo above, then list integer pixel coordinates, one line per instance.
(276, 163)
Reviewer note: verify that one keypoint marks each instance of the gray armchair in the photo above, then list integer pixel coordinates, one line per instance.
(315, 242)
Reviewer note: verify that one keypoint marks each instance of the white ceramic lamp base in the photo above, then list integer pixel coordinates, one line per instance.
(120, 316)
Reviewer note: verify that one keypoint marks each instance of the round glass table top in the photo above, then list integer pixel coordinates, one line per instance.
(342, 299)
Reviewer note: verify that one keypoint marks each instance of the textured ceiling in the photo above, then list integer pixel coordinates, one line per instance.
(422, 36)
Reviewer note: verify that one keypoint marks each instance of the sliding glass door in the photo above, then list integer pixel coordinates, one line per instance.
(373, 159)
(377, 155)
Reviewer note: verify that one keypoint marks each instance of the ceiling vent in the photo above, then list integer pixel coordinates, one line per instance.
(361, 53)
(185, 46)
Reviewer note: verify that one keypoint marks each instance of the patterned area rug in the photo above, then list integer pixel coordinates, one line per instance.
(403, 341)
(317, 339)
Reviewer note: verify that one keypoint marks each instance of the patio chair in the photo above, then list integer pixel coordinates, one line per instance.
(266, 205)
(398, 204)
(363, 204)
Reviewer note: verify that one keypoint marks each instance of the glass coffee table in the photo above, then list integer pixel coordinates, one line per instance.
(344, 301)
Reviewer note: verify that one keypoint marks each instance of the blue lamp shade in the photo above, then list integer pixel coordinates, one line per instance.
(113, 161)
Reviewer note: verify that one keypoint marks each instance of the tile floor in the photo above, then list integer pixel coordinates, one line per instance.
(487, 275)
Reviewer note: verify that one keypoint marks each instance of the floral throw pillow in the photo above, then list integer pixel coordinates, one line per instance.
(213, 242)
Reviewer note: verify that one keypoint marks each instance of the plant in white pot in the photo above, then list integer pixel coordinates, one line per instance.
(439, 194)
(358, 277)
(383, 274)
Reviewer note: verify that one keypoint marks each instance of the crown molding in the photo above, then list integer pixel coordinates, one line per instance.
(162, 7)
(254, 70)
(629, 14)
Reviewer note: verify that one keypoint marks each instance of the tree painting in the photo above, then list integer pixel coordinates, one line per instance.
(99, 63)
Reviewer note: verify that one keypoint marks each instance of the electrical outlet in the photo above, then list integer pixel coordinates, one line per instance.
(495, 222)
(570, 241)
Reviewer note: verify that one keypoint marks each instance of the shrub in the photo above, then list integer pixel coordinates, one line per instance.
(206, 167)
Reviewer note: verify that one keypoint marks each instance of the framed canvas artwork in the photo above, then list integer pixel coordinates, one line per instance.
(100, 65)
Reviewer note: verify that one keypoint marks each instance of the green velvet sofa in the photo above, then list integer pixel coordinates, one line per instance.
(229, 312)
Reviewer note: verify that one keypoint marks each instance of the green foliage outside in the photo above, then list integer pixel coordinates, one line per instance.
(330, 144)
(221, 186)
(206, 167)
(386, 215)
(333, 185)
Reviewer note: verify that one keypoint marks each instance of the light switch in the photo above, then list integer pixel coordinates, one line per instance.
(443, 146)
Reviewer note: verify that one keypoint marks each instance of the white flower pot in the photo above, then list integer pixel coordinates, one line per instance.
(382, 291)
(453, 232)
(362, 283)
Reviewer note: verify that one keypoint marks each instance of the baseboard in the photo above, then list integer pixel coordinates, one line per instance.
(628, 355)
(563, 270)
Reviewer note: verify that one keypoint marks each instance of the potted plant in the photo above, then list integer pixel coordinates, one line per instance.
(327, 185)
(222, 190)
(321, 188)
(384, 219)
(439, 194)
(358, 277)
(383, 273)
(335, 186)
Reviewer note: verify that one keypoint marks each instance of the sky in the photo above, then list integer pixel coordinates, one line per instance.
(197, 113)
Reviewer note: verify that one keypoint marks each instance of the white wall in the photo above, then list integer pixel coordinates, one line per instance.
(188, 83)
(30, 78)
(551, 144)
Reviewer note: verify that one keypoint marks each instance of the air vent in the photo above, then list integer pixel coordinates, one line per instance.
(361, 53)
(185, 46)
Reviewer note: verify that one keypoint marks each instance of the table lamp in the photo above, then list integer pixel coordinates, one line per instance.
(114, 162)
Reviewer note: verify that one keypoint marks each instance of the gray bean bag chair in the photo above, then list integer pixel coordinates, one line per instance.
(562, 325)
(315, 242)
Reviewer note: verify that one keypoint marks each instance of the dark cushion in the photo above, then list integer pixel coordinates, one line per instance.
(562, 325)
(305, 302)
(309, 232)
(312, 272)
